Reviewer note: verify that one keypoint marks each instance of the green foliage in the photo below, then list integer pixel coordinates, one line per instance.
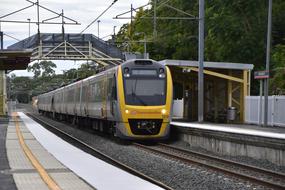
(235, 31)
(43, 68)
(44, 80)
(277, 82)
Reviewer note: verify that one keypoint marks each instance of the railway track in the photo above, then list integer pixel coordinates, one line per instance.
(91, 150)
(258, 176)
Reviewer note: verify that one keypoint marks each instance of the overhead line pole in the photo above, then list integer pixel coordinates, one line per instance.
(98, 21)
(62, 27)
(1, 37)
(38, 22)
(154, 19)
(266, 81)
(201, 61)
(131, 30)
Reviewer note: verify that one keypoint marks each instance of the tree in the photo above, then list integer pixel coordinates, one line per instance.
(235, 31)
(43, 68)
(277, 82)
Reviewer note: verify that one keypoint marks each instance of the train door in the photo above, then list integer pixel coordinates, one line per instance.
(104, 96)
(52, 109)
(87, 97)
(113, 101)
(77, 100)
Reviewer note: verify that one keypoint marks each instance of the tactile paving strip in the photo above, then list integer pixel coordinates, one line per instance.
(29, 181)
(25, 175)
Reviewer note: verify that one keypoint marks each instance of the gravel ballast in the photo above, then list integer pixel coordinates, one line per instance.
(175, 174)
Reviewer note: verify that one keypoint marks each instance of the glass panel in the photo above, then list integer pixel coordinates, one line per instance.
(146, 92)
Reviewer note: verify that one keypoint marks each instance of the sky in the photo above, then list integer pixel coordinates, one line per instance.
(83, 11)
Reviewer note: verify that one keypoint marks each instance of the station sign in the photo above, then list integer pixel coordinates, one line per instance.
(261, 75)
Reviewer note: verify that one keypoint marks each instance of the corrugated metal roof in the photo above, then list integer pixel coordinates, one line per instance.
(216, 65)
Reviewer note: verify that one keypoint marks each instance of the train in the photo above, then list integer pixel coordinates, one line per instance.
(132, 101)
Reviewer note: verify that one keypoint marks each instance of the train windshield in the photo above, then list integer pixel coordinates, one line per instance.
(150, 91)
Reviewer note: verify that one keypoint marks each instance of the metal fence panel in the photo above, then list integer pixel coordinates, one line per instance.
(279, 111)
(276, 110)
(178, 108)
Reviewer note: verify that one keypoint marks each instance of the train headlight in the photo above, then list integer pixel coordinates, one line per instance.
(161, 73)
(163, 111)
(127, 111)
(126, 72)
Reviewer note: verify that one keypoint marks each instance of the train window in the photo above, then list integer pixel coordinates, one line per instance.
(96, 91)
(145, 91)
(77, 93)
(70, 95)
(99, 89)
(143, 62)
(114, 89)
(84, 93)
(109, 88)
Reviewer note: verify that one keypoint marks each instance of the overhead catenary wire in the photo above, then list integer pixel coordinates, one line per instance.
(11, 37)
(73, 22)
(99, 16)
(59, 14)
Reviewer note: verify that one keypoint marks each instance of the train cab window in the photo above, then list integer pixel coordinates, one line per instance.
(145, 91)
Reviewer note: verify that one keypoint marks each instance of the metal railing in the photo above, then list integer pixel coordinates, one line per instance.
(68, 51)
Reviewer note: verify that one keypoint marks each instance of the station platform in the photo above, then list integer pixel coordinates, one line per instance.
(34, 158)
(242, 129)
(264, 143)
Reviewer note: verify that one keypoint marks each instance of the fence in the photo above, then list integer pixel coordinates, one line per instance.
(276, 110)
(178, 109)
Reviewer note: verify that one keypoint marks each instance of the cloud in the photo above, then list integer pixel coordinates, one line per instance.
(83, 11)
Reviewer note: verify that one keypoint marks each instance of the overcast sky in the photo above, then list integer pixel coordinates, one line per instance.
(83, 11)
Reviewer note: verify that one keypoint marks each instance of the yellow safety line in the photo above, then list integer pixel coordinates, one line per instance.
(44, 175)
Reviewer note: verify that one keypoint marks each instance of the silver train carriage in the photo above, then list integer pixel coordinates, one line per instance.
(132, 100)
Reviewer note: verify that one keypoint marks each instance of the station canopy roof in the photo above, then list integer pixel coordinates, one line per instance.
(14, 59)
(214, 65)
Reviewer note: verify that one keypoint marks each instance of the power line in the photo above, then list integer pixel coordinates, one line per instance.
(11, 37)
(99, 16)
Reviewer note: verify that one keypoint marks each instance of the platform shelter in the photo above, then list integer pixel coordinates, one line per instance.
(225, 85)
(10, 60)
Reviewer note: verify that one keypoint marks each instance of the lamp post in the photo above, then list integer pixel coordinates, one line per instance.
(98, 21)
(114, 35)
(266, 81)
(201, 61)
(29, 26)
(114, 29)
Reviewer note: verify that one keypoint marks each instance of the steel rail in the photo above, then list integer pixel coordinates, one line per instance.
(238, 164)
(91, 150)
(177, 156)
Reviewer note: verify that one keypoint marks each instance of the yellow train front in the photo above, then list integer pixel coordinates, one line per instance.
(144, 100)
(132, 100)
